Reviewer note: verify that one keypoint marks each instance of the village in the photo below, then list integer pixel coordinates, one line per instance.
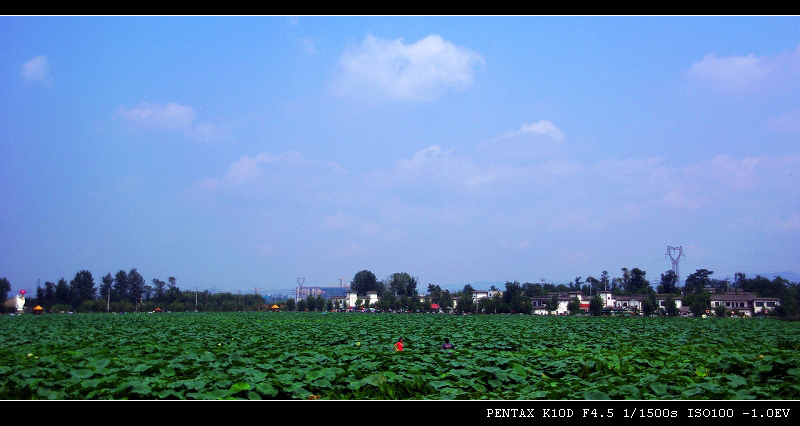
(738, 303)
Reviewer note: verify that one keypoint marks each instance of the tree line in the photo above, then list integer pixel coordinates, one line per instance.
(127, 291)
(399, 291)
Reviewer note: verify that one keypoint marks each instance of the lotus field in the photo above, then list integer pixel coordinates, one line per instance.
(286, 355)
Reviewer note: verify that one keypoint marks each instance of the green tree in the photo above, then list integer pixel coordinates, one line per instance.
(363, 282)
(668, 283)
(604, 281)
(5, 288)
(515, 298)
(63, 294)
(670, 306)
(135, 286)
(552, 303)
(638, 284)
(173, 291)
(403, 284)
(159, 290)
(625, 281)
(573, 306)
(697, 282)
(106, 286)
(596, 305)
(82, 288)
(649, 304)
(121, 286)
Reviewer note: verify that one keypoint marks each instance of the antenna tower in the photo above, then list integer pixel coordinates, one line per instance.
(675, 254)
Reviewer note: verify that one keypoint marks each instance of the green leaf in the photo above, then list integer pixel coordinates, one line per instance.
(240, 386)
(82, 373)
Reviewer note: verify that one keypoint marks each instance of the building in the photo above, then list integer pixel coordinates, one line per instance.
(744, 303)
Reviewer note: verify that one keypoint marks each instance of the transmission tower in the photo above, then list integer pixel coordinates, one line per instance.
(675, 254)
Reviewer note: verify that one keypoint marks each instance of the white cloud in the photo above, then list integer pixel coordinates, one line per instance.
(170, 116)
(745, 73)
(532, 141)
(542, 127)
(789, 122)
(37, 69)
(243, 170)
(247, 168)
(420, 72)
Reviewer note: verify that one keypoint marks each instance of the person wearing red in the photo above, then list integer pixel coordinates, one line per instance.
(398, 347)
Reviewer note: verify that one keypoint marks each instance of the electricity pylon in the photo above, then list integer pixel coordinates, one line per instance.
(675, 254)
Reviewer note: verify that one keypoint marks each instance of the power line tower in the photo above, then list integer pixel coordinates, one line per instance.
(675, 254)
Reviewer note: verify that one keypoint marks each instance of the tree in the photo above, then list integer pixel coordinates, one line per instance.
(592, 285)
(5, 288)
(596, 305)
(649, 305)
(515, 298)
(552, 303)
(577, 285)
(573, 306)
(638, 284)
(668, 283)
(82, 287)
(604, 282)
(106, 285)
(159, 290)
(121, 286)
(625, 281)
(135, 286)
(670, 306)
(173, 292)
(311, 303)
(363, 282)
(63, 295)
(403, 284)
(697, 282)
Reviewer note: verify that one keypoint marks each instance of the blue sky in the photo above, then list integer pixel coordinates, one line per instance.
(240, 153)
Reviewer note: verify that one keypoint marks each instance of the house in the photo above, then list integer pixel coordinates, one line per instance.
(744, 303)
(351, 299)
(620, 303)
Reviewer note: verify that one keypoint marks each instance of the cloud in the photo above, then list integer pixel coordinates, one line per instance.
(37, 70)
(241, 171)
(542, 127)
(532, 141)
(746, 73)
(247, 168)
(789, 122)
(418, 72)
(170, 117)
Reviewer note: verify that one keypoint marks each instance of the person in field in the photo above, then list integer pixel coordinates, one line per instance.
(447, 345)
(398, 347)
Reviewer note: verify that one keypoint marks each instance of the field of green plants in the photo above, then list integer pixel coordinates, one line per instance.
(283, 355)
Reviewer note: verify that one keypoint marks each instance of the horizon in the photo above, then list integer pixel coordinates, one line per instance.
(244, 152)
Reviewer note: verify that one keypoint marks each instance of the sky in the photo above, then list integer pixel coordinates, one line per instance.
(244, 153)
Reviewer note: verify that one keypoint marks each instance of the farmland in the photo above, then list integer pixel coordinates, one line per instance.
(291, 355)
